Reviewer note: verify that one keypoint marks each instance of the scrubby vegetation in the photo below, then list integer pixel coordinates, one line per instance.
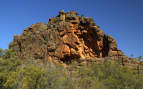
(33, 74)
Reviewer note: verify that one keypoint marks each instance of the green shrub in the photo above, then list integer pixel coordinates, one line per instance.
(33, 74)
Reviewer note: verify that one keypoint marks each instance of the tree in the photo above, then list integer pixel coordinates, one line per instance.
(1, 52)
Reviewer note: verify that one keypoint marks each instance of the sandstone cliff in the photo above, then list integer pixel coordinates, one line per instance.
(66, 37)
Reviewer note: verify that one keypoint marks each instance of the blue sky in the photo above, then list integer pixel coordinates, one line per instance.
(122, 19)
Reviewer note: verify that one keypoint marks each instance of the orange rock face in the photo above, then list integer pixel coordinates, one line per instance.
(65, 38)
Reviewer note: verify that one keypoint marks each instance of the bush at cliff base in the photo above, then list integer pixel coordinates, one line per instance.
(32, 74)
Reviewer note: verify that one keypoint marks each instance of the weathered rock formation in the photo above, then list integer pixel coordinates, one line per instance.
(66, 37)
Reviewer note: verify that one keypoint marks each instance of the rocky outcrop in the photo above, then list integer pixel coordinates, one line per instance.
(66, 37)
